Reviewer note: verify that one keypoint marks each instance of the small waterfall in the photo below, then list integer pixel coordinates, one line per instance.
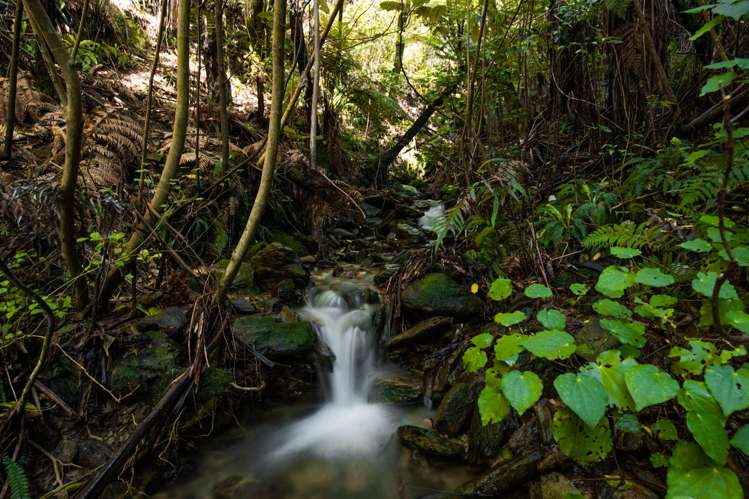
(348, 423)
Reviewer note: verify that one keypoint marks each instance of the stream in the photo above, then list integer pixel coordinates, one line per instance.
(344, 447)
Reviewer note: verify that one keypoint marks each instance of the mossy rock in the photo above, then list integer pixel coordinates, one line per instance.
(244, 281)
(430, 442)
(439, 294)
(148, 372)
(273, 338)
(276, 263)
(399, 389)
(455, 410)
(214, 382)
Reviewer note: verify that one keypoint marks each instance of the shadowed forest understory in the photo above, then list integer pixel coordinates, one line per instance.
(396, 249)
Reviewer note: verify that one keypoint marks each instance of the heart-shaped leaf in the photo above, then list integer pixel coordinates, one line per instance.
(692, 474)
(740, 439)
(708, 431)
(628, 332)
(508, 346)
(538, 291)
(584, 394)
(551, 318)
(522, 389)
(697, 245)
(695, 397)
(474, 359)
(610, 370)
(483, 340)
(580, 442)
(500, 289)
(611, 308)
(650, 385)
(651, 276)
(729, 387)
(508, 319)
(625, 253)
(614, 280)
(493, 406)
(578, 289)
(550, 344)
(704, 284)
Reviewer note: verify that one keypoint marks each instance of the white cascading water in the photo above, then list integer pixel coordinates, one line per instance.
(348, 423)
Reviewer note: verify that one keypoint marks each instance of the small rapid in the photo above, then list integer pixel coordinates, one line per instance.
(347, 423)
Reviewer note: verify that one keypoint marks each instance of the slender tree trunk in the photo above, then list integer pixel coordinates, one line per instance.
(222, 100)
(399, 43)
(392, 153)
(298, 90)
(175, 151)
(47, 35)
(149, 99)
(10, 117)
(315, 87)
(468, 126)
(274, 134)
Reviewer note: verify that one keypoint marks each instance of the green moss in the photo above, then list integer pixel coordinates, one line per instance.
(273, 338)
(214, 383)
(439, 294)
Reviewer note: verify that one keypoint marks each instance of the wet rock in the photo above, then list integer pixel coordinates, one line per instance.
(244, 281)
(324, 357)
(595, 338)
(528, 436)
(308, 259)
(554, 486)
(632, 490)
(401, 388)
(275, 263)
(67, 450)
(486, 441)
(147, 372)
(234, 486)
(506, 476)
(439, 294)
(456, 408)
(171, 320)
(92, 453)
(405, 230)
(430, 442)
(214, 382)
(296, 244)
(273, 338)
(425, 329)
(287, 292)
(243, 306)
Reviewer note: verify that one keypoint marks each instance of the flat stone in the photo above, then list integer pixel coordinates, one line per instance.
(430, 442)
(273, 338)
(170, 320)
(439, 294)
(506, 476)
(401, 388)
(424, 329)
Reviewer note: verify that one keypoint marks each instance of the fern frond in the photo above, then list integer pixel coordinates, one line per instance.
(17, 479)
(625, 234)
(452, 223)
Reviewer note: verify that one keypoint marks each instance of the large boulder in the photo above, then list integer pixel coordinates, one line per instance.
(430, 442)
(273, 338)
(454, 412)
(149, 371)
(439, 294)
(171, 320)
(276, 263)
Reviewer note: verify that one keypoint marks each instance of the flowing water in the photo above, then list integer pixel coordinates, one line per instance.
(344, 448)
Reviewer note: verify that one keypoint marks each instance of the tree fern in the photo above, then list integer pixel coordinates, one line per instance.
(452, 223)
(16, 477)
(625, 234)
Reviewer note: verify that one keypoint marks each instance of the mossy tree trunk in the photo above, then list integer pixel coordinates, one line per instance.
(152, 214)
(50, 39)
(274, 134)
(10, 117)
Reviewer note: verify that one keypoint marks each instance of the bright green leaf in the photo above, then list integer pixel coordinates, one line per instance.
(493, 406)
(580, 442)
(508, 319)
(550, 344)
(500, 289)
(628, 332)
(708, 431)
(584, 394)
(483, 340)
(691, 474)
(625, 253)
(729, 387)
(650, 385)
(611, 308)
(651, 276)
(697, 246)
(508, 346)
(740, 439)
(537, 291)
(715, 83)
(704, 284)
(522, 389)
(474, 359)
(614, 280)
(578, 289)
(551, 318)
(695, 397)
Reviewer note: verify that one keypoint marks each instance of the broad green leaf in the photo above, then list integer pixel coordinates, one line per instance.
(740, 253)
(663, 300)
(483, 340)
(694, 360)
(665, 429)
(706, 28)
(493, 406)
(735, 10)
(740, 439)
(650, 385)
(695, 397)
(508, 319)
(508, 346)
(551, 318)
(580, 442)
(714, 221)
(522, 389)
(611, 308)
(651, 276)
(500, 289)
(474, 359)
(610, 370)
(697, 246)
(628, 332)
(741, 63)
(714, 83)
(691, 474)
(584, 394)
(537, 291)
(625, 253)
(704, 284)
(714, 234)
(724, 308)
(614, 280)
(550, 344)
(578, 289)
(729, 387)
(708, 431)
(738, 319)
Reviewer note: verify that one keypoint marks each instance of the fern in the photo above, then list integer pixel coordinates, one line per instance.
(625, 234)
(19, 483)
(452, 223)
